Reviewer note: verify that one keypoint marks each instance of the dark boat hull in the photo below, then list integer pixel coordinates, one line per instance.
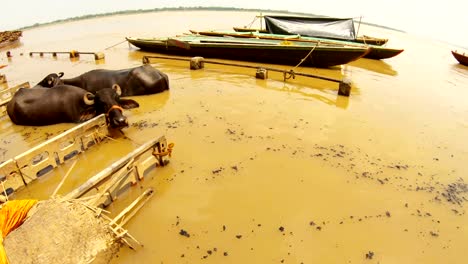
(461, 58)
(276, 54)
(376, 52)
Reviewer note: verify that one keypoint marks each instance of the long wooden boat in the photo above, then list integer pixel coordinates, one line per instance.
(371, 40)
(267, 51)
(376, 52)
(364, 39)
(317, 26)
(461, 58)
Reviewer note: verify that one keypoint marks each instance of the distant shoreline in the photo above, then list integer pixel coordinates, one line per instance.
(199, 8)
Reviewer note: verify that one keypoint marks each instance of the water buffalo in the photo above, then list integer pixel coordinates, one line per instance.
(141, 80)
(51, 80)
(67, 103)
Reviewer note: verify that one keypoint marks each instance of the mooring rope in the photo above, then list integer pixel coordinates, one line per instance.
(251, 23)
(291, 74)
(115, 45)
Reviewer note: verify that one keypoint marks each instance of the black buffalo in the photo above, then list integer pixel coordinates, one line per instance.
(141, 80)
(67, 103)
(51, 80)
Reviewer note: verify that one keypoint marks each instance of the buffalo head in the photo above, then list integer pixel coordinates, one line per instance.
(51, 80)
(108, 101)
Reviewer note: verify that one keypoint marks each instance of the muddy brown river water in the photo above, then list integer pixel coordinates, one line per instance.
(270, 172)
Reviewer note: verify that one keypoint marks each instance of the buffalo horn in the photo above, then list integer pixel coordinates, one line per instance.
(88, 98)
(117, 89)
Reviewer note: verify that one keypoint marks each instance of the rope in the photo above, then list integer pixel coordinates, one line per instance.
(251, 23)
(291, 74)
(310, 52)
(115, 45)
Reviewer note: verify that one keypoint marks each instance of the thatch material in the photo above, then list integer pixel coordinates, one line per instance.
(6, 36)
(61, 232)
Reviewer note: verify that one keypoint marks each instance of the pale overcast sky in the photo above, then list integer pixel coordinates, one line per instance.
(438, 19)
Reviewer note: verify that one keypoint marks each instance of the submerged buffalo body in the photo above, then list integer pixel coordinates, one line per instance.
(141, 80)
(65, 104)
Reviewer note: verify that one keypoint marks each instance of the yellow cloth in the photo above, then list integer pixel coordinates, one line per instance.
(12, 216)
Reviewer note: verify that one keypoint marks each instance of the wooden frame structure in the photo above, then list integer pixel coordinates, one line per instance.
(106, 186)
(28, 166)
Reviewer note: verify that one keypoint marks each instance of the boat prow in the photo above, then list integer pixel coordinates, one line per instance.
(461, 58)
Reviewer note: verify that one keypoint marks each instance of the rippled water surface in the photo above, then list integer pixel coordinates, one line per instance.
(270, 172)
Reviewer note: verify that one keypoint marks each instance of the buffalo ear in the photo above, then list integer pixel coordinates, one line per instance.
(117, 89)
(128, 103)
(60, 74)
(88, 98)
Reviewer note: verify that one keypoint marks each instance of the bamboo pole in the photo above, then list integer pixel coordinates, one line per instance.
(65, 177)
(146, 60)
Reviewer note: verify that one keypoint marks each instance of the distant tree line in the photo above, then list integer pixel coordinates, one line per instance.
(181, 8)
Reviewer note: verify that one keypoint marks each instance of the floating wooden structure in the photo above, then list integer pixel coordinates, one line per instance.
(81, 232)
(72, 54)
(127, 171)
(21, 170)
(7, 94)
(261, 71)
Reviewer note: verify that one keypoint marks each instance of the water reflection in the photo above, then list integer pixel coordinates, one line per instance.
(325, 95)
(378, 66)
(460, 69)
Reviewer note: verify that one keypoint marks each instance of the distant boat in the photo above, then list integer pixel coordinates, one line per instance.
(376, 52)
(363, 40)
(319, 27)
(267, 51)
(461, 58)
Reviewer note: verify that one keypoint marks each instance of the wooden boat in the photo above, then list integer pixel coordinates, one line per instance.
(267, 51)
(361, 39)
(461, 58)
(376, 52)
(240, 29)
(371, 40)
(319, 26)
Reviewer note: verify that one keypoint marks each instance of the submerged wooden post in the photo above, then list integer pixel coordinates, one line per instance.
(261, 73)
(74, 54)
(98, 56)
(344, 87)
(197, 63)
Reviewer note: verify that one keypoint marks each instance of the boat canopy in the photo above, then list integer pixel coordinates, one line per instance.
(323, 27)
